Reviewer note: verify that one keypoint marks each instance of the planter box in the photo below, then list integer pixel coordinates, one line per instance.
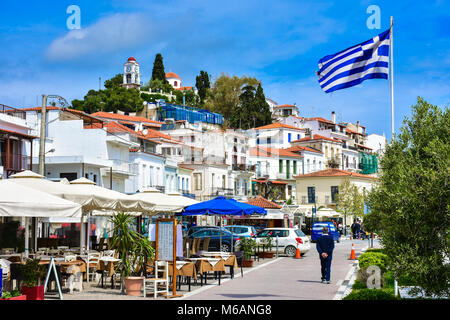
(22, 297)
(266, 255)
(247, 263)
(34, 293)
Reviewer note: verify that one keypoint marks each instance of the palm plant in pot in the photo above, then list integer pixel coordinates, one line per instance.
(247, 246)
(32, 273)
(133, 249)
(268, 245)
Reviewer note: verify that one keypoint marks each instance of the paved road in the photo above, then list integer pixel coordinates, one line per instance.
(286, 278)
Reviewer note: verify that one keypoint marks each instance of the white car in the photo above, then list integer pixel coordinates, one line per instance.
(288, 240)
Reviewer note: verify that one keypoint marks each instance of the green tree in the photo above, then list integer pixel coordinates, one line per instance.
(349, 200)
(411, 201)
(158, 72)
(223, 97)
(202, 84)
(113, 98)
(263, 114)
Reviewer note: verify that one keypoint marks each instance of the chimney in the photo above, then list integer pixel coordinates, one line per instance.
(333, 117)
(357, 126)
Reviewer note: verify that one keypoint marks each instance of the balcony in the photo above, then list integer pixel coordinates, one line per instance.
(305, 200)
(13, 163)
(13, 112)
(225, 192)
(243, 167)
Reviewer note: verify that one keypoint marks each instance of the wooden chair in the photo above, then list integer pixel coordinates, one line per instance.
(205, 246)
(193, 248)
(158, 279)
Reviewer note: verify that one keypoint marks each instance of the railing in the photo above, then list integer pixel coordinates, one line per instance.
(222, 192)
(161, 188)
(243, 167)
(121, 165)
(14, 162)
(10, 111)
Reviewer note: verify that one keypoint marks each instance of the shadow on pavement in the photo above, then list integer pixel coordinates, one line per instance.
(248, 296)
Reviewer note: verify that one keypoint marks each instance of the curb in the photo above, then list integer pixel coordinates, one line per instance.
(347, 284)
(215, 283)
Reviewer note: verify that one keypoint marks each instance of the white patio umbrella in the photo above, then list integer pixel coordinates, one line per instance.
(163, 202)
(22, 201)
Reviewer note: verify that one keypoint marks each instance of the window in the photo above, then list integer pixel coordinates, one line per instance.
(69, 176)
(197, 181)
(311, 194)
(95, 178)
(299, 233)
(298, 137)
(257, 140)
(280, 166)
(175, 83)
(269, 140)
(334, 191)
(289, 137)
(295, 167)
(308, 168)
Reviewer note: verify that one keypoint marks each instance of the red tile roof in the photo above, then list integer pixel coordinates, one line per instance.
(278, 125)
(303, 148)
(183, 88)
(317, 137)
(123, 117)
(334, 173)
(17, 134)
(320, 119)
(263, 203)
(172, 75)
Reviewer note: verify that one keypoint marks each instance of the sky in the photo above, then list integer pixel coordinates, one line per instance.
(278, 42)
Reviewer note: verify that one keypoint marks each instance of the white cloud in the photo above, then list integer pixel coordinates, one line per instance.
(106, 35)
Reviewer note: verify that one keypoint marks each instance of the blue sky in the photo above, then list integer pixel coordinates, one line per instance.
(278, 42)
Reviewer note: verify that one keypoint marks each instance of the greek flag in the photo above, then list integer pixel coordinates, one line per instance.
(367, 60)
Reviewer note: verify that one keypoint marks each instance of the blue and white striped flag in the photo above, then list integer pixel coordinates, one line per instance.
(367, 60)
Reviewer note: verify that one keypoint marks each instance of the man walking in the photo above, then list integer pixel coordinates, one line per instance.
(325, 246)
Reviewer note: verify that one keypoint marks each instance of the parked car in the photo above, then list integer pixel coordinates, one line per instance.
(288, 240)
(193, 229)
(242, 231)
(215, 234)
(317, 229)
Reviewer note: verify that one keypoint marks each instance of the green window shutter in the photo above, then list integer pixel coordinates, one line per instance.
(280, 165)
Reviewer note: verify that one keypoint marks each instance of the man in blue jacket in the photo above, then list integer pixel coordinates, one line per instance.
(325, 246)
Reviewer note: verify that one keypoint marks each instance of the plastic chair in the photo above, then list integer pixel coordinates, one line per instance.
(239, 257)
(153, 283)
(69, 258)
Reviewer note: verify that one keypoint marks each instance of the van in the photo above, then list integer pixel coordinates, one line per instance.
(317, 228)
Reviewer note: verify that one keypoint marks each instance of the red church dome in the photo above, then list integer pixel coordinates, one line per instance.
(131, 59)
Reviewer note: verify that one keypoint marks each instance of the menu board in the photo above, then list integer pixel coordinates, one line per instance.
(165, 240)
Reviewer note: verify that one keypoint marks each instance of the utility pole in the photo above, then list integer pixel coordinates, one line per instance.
(42, 135)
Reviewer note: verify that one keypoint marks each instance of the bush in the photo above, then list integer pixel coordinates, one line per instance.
(373, 259)
(359, 285)
(371, 294)
(370, 250)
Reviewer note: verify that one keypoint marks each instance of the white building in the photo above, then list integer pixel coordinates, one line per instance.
(131, 74)
(15, 141)
(277, 135)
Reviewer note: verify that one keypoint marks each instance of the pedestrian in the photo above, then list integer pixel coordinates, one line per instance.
(353, 229)
(357, 229)
(340, 228)
(297, 226)
(325, 246)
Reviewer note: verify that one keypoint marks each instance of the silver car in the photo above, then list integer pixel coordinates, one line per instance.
(288, 240)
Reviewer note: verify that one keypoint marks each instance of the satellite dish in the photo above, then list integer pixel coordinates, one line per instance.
(145, 132)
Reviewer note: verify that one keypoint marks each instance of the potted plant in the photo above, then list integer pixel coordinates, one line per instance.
(13, 295)
(133, 249)
(247, 245)
(32, 273)
(268, 245)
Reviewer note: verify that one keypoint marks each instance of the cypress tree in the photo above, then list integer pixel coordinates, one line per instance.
(264, 116)
(202, 84)
(158, 72)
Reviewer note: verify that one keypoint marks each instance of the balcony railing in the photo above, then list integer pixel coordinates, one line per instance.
(305, 200)
(243, 167)
(160, 188)
(10, 111)
(222, 192)
(14, 162)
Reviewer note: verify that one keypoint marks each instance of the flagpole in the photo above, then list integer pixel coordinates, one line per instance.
(391, 76)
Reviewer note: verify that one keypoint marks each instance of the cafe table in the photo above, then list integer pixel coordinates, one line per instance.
(184, 268)
(107, 264)
(229, 259)
(69, 267)
(204, 265)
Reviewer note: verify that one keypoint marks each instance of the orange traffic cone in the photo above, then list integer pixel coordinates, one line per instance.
(352, 254)
(297, 253)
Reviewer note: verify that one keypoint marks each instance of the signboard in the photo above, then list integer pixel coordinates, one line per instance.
(164, 240)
